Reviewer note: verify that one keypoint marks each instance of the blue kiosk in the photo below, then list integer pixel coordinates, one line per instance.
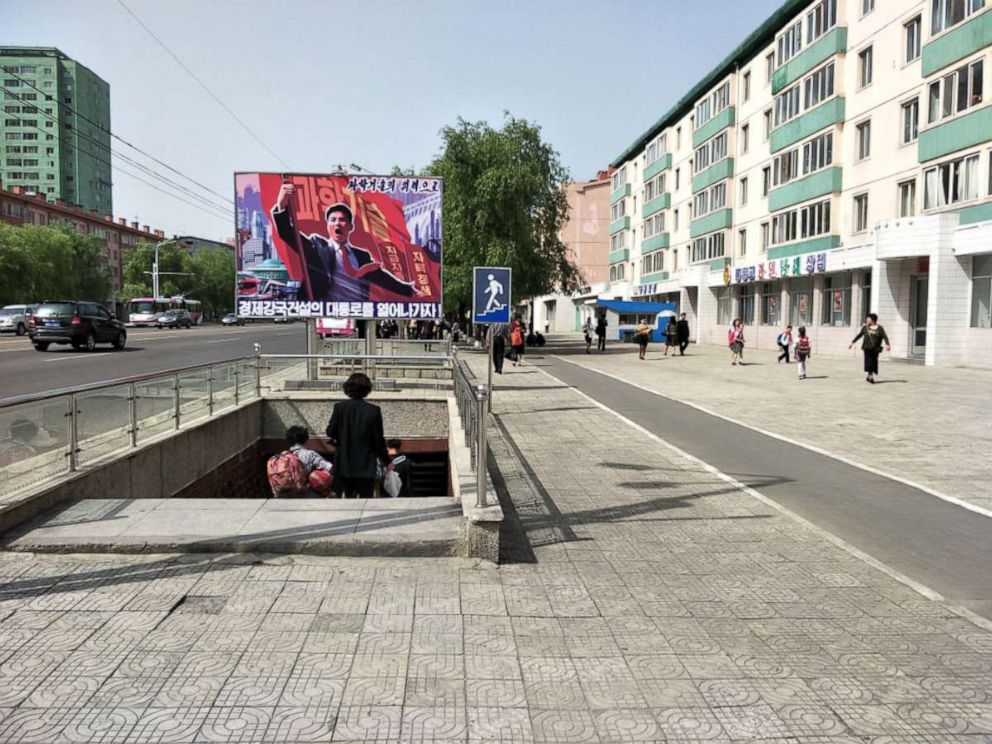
(622, 317)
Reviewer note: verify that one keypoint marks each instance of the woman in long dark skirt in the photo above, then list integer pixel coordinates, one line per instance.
(872, 337)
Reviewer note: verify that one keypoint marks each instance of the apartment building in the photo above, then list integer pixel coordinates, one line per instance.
(837, 162)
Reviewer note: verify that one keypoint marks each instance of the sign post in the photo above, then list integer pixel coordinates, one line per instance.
(491, 304)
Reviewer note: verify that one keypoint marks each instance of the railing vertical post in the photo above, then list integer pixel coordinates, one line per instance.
(482, 446)
(210, 391)
(73, 433)
(134, 415)
(175, 399)
(258, 370)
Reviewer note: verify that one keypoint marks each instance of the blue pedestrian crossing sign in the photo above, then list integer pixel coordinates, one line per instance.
(490, 294)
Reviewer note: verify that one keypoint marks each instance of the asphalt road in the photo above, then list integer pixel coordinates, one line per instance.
(24, 370)
(933, 542)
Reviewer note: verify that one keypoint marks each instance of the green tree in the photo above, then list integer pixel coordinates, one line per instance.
(174, 265)
(45, 262)
(213, 280)
(504, 205)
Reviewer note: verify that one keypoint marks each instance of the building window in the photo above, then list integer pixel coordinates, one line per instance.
(745, 305)
(771, 296)
(744, 192)
(708, 247)
(860, 213)
(819, 86)
(747, 87)
(654, 188)
(951, 182)
(618, 242)
(865, 294)
(864, 67)
(785, 167)
(712, 105)
(745, 137)
(675, 218)
(677, 179)
(910, 121)
(619, 179)
(907, 198)
(801, 301)
(820, 19)
(618, 210)
(806, 222)
(956, 92)
(913, 29)
(981, 291)
(789, 44)
(769, 66)
(766, 178)
(709, 200)
(657, 149)
(764, 236)
(787, 105)
(724, 305)
(678, 138)
(835, 302)
(947, 13)
(709, 153)
(654, 225)
(864, 140)
(768, 124)
(742, 242)
(818, 153)
(867, 6)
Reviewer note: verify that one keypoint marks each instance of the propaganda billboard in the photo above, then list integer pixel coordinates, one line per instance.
(338, 246)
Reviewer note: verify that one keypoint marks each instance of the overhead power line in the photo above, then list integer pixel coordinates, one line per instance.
(205, 207)
(124, 141)
(202, 84)
(130, 161)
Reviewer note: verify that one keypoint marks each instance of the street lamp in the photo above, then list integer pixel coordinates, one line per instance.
(155, 272)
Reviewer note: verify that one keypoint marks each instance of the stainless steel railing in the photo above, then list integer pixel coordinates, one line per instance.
(473, 408)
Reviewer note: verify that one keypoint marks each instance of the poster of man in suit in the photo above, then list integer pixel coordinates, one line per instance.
(338, 246)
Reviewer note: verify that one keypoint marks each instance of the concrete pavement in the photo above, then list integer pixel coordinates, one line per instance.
(644, 597)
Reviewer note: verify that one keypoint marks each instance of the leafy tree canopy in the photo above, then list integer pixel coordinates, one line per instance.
(205, 275)
(49, 262)
(504, 205)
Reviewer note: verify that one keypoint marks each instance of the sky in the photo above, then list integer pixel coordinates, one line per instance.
(323, 82)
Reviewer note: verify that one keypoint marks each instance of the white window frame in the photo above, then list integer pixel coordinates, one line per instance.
(789, 43)
(953, 181)
(863, 140)
(708, 247)
(912, 38)
(619, 179)
(860, 213)
(907, 189)
(820, 19)
(910, 126)
(981, 290)
(941, 9)
(866, 66)
(818, 153)
(948, 93)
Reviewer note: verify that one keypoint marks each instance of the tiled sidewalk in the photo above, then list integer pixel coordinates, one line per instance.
(927, 425)
(646, 600)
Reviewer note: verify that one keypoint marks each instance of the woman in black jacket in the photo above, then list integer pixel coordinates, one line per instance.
(355, 430)
(873, 336)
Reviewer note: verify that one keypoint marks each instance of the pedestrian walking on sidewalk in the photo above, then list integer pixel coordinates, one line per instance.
(682, 328)
(784, 341)
(803, 352)
(497, 344)
(355, 430)
(735, 339)
(873, 337)
(587, 333)
(671, 336)
(601, 332)
(517, 340)
(642, 334)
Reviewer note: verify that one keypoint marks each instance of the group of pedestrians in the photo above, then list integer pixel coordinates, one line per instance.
(872, 335)
(676, 336)
(516, 333)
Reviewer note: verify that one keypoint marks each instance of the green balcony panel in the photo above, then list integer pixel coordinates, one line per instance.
(717, 264)
(621, 255)
(977, 213)
(658, 276)
(653, 243)
(714, 126)
(814, 120)
(957, 134)
(958, 43)
(656, 205)
(665, 161)
(621, 224)
(620, 193)
(718, 220)
(826, 181)
(715, 173)
(831, 43)
(806, 246)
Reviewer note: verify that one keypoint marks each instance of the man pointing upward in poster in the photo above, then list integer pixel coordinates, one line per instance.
(337, 270)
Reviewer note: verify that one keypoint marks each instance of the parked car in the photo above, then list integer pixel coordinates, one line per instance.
(14, 319)
(174, 319)
(82, 324)
(232, 319)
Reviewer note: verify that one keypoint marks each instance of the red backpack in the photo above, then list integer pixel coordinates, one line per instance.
(287, 476)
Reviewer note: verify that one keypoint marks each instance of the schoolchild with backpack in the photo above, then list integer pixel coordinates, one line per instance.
(298, 470)
(784, 341)
(803, 351)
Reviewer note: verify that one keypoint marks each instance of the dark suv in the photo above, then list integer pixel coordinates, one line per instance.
(82, 324)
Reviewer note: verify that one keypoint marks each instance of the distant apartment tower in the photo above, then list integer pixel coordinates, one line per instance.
(55, 128)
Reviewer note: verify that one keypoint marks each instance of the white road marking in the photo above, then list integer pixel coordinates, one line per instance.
(78, 357)
(811, 447)
(839, 542)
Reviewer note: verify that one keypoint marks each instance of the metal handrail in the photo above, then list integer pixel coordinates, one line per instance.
(86, 387)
